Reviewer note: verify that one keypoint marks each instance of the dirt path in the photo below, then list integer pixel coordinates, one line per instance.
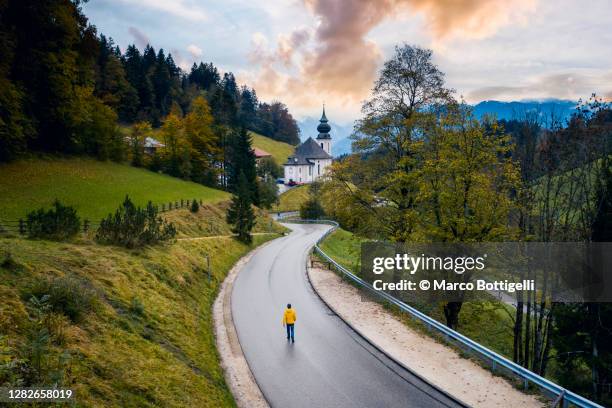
(435, 362)
(222, 236)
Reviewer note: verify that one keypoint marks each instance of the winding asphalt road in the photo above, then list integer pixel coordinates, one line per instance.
(329, 365)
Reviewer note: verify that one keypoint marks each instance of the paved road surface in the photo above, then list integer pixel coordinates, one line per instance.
(329, 365)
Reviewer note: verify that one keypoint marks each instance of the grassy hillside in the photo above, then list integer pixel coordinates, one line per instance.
(146, 338)
(344, 247)
(279, 150)
(292, 199)
(210, 221)
(93, 187)
(149, 339)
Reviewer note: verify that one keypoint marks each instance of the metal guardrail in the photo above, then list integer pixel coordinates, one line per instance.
(562, 396)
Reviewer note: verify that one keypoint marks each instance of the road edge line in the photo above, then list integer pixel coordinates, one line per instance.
(236, 370)
(376, 346)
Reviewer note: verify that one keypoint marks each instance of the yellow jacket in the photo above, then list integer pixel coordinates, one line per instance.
(289, 317)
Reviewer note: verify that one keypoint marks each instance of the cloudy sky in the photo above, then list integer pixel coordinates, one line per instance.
(304, 52)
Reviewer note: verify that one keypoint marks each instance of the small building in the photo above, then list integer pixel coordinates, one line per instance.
(151, 145)
(260, 154)
(311, 159)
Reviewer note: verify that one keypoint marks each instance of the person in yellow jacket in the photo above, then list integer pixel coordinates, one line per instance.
(289, 318)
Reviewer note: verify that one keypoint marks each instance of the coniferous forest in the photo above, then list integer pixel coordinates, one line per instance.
(68, 89)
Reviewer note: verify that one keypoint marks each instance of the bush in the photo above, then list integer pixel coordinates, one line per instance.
(9, 262)
(195, 207)
(37, 360)
(268, 193)
(66, 295)
(59, 223)
(311, 209)
(137, 307)
(134, 227)
(267, 167)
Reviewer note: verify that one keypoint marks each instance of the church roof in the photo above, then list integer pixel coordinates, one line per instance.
(309, 150)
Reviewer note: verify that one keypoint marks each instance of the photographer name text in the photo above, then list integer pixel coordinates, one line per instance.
(444, 285)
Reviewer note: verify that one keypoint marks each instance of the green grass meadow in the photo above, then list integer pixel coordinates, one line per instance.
(94, 188)
(292, 199)
(280, 151)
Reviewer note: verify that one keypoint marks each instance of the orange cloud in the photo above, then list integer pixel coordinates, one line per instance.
(470, 18)
(339, 64)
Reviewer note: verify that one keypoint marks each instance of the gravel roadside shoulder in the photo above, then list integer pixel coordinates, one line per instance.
(437, 363)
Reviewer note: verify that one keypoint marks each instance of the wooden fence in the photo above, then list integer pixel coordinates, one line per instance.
(20, 226)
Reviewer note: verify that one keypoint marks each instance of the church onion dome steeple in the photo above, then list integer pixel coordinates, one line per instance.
(323, 127)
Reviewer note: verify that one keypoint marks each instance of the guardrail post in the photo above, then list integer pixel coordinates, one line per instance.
(85, 225)
(526, 383)
(21, 227)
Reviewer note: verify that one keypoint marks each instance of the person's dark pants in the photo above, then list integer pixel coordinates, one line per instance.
(290, 332)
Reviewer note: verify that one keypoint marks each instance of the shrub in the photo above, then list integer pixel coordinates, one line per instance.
(66, 295)
(195, 207)
(137, 307)
(311, 209)
(268, 193)
(58, 223)
(267, 166)
(38, 361)
(134, 227)
(9, 262)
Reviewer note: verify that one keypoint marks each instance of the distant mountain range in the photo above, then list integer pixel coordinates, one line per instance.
(562, 109)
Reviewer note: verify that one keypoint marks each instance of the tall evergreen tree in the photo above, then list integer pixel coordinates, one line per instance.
(247, 110)
(204, 76)
(241, 160)
(112, 86)
(240, 213)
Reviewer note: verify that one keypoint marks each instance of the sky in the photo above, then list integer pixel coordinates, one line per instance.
(309, 52)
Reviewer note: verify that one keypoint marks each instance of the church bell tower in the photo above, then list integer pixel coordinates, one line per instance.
(324, 139)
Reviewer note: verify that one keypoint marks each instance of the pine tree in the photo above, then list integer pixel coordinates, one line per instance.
(242, 161)
(240, 213)
(247, 110)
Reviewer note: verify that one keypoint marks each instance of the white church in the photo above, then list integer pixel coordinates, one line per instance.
(312, 158)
